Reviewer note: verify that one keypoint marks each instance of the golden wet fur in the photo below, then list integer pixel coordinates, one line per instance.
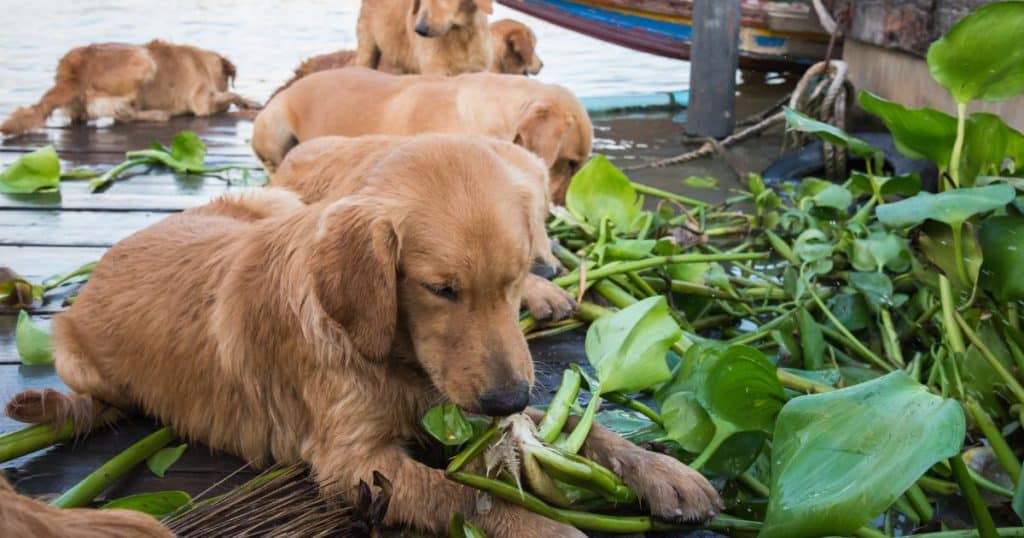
(332, 167)
(284, 332)
(513, 52)
(150, 82)
(22, 516)
(546, 119)
(437, 37)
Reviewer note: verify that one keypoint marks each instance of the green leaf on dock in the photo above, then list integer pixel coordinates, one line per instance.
(33, 343)
(920, 133)
(628, 348)
(980, 57)
(829, 133)
(1002, 244)
(446, 424)
(165, 457)
(157, 504)
(602, 191)
(718, 393)
(38, 171)
(876, 439)
(952, 207)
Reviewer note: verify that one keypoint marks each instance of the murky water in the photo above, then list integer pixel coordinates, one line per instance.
(267, 39)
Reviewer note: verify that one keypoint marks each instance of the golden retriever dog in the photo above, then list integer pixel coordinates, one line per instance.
(513, 52)
(22, 516)
(434, 37)
(331, 167)
(544, 118)
(286, 332)
(514, 49)
(150, 82)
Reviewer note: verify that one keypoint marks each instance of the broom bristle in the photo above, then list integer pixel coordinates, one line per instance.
(289, 503)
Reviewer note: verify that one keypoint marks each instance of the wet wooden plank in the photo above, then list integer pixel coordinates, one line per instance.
(225, 135)
(38, 263)
(148, 192)
(23, 227)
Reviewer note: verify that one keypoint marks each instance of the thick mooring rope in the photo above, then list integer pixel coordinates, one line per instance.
(821, 93)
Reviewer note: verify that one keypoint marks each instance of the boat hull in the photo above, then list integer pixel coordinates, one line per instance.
(664, 28)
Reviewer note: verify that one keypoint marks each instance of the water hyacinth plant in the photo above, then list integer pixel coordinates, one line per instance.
(830, 356)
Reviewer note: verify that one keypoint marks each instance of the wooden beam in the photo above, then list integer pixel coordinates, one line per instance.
(713, 61)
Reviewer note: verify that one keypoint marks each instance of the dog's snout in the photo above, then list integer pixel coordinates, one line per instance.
(422, 28)
(543, 269)
(504, 401)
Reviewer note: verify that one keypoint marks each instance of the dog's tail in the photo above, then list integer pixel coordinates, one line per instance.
(25, 119)
(273, 136)
(49, 406)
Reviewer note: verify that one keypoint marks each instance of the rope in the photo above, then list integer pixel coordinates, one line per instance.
(822, 93)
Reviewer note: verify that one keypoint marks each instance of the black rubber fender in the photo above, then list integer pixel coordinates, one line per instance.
(807, 162)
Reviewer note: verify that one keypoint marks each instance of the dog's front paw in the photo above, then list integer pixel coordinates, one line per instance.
(546, 301)
(671, 490)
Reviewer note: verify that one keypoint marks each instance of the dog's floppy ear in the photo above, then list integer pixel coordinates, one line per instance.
(354, 264)
(487, 6)
(540, 130)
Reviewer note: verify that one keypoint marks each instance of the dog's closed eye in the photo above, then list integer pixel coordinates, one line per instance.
(444, 291)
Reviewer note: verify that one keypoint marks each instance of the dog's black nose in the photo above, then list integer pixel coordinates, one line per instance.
(422, 29)
(543, 269)
(506, 400)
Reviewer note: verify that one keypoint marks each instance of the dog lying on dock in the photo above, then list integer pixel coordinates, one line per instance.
(513, 52)
(332, 167)
(435, 37)
(546, 119)
(150, 82)
(22, 516)
(279, 331)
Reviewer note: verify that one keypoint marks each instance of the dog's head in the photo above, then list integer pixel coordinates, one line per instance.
(513, 47)
(435, 18)
(557, 128)
(428, 261)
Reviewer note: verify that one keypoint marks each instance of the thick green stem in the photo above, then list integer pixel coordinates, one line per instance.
(937, 485)
(558, 411)
(892, 341)
(958, 144)
(868, 532)
(920, 502)
(1007, 377)
(995, 438)
(754, 485)
(85, 491)
(638, 406)
(584, 473)
(616, 268)
(721, 435)
(579, 434)
(110, 175)
(956, 340)
(958, 254)
(982, 517)
(852, 341)
(591, 521)
(653, 191)
(1006, 532)
(473, 449)
(27, 440)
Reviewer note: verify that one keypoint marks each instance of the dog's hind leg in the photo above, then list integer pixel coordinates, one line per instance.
(223, 100)
(423, 497)
(94, 400)
(33, 117)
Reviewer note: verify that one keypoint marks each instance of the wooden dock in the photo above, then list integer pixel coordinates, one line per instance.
(41, 235)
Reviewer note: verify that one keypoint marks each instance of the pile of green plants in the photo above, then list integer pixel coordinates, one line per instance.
(834, 356)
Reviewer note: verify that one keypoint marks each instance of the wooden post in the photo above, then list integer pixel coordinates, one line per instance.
(713, 60)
